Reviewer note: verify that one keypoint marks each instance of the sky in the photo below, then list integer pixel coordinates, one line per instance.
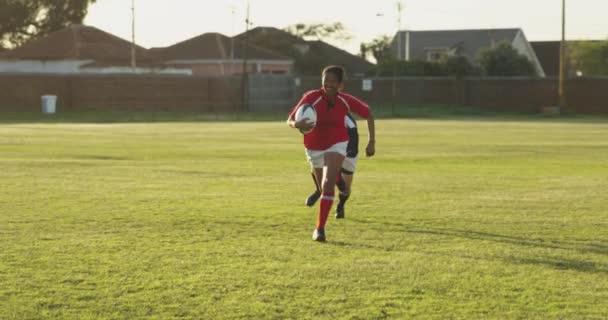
(161, 23)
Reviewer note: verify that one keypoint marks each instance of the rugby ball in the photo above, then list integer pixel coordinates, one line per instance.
(306, 111)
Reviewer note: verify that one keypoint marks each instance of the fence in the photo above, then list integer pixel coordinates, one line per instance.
(584, 95)
(127, 93)
(268, 93)
(271, 93)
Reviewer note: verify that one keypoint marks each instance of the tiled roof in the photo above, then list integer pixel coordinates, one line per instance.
(214, 46)
(258, 34)
(77, 42)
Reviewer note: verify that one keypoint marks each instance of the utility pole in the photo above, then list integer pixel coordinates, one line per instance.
(245, 79)
(133, 59)
(561, 92)
(233, 11)
(394, 89)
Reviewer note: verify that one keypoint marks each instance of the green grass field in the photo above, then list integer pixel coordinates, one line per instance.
(482, 218)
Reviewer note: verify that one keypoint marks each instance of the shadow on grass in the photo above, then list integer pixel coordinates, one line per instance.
(477, 235)
(350, 244)
(563, 264)
(553, 262)
(97, 157)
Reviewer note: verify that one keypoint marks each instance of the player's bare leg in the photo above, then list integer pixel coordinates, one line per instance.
(333, 165)
(313, 197)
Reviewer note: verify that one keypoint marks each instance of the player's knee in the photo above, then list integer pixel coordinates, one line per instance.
(328, 185)
(346, 191)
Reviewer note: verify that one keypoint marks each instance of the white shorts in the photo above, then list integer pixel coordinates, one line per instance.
(350, 164)
(316, 158)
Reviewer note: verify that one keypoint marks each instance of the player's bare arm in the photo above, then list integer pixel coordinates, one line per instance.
(370, 149)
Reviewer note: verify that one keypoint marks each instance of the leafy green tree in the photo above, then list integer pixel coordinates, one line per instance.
(319, 31)
(590, 57)
(21, 20)
(504, 61)
(379, 48)
(459, 66)
(305, 62)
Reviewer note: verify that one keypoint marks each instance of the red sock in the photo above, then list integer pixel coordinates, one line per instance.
(327, 199)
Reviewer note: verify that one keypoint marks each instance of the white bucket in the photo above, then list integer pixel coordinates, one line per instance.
(48, 103)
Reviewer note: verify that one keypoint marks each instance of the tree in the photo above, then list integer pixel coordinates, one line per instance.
(319, 31)
(504, 61)
(459, 66)
(21, 20)
(379, 48)
(590, 57)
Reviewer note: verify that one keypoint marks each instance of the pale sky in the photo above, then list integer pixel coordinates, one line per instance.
(161, 23)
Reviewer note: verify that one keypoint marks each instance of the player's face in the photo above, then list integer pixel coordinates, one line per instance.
(331, 83)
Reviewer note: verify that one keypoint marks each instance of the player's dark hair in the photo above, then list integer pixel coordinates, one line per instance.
(336, 70)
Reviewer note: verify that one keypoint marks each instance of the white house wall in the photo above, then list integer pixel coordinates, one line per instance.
(222, 67)
(37, 66)
(76, 67)
(129, 70)
(521, 44)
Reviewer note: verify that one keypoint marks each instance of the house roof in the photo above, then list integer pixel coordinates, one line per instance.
(310, 56)
(335, 56)
(466, 42)
(78, 42)
(260, 34)
(547, 53)
(215, 46)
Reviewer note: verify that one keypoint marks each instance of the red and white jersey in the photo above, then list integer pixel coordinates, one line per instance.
(330, 128)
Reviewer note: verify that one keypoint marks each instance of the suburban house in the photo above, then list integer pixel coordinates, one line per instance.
(213, 54)
(434, 45)
(80, 49)
(309, 56)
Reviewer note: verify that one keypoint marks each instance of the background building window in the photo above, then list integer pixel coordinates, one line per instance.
(436, 55)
